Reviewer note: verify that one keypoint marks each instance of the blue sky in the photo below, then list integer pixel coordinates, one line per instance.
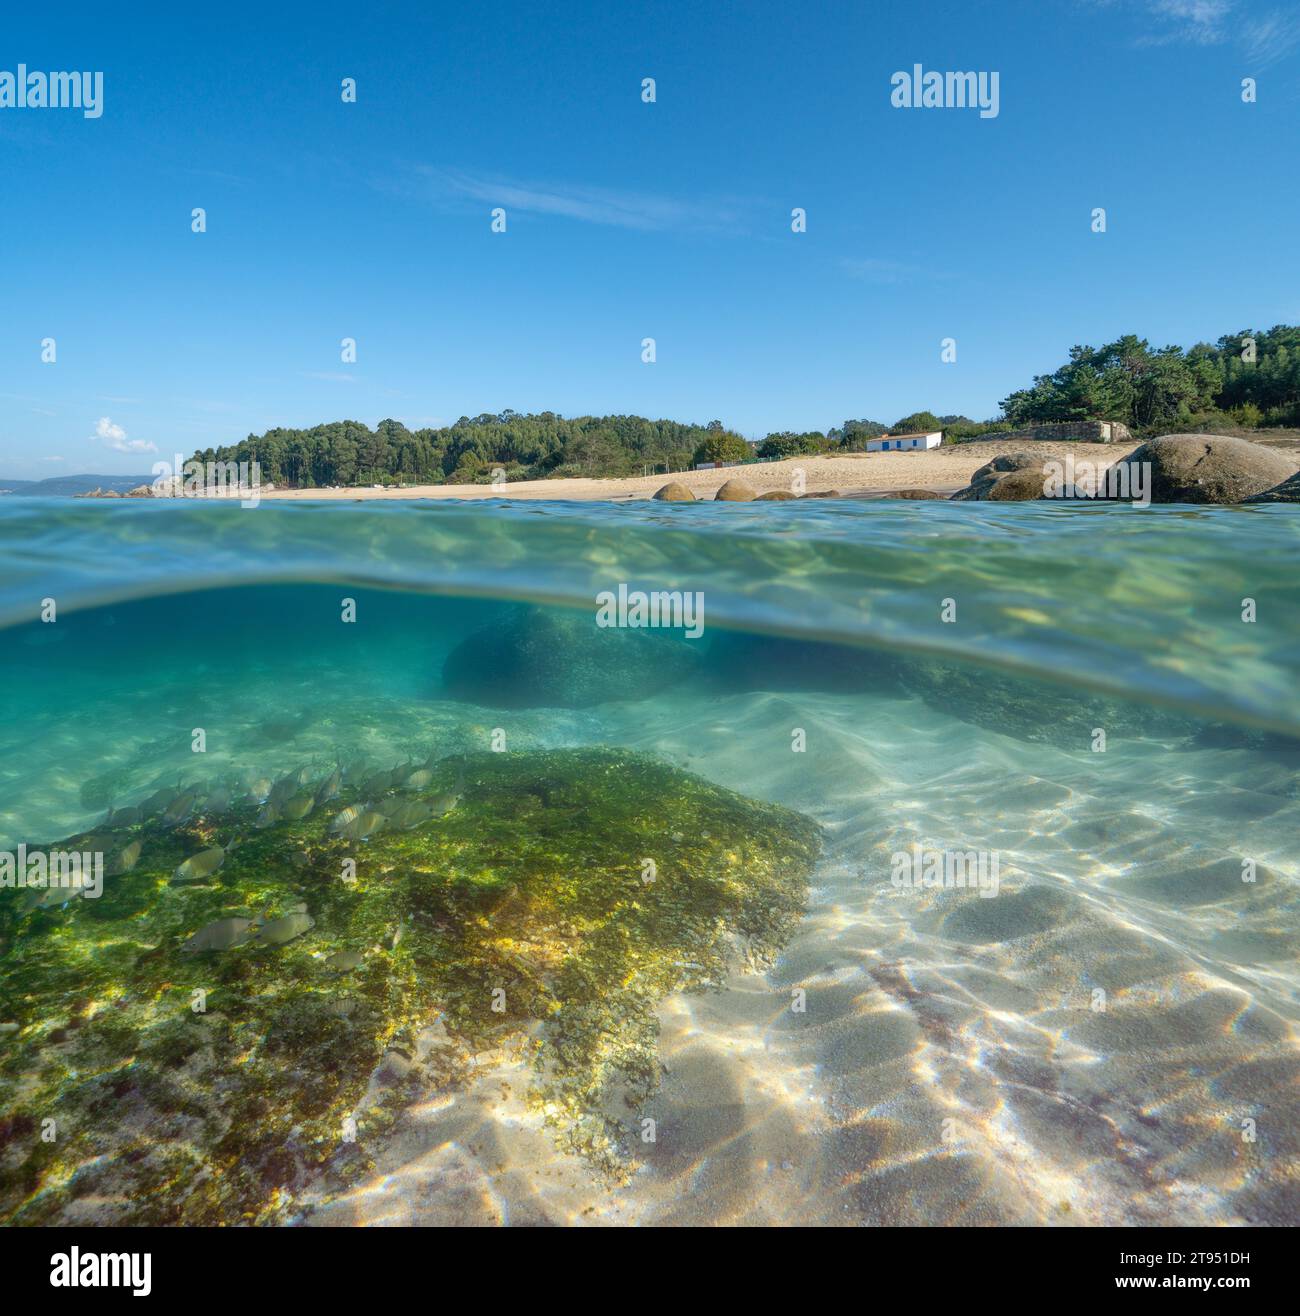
(625, 220)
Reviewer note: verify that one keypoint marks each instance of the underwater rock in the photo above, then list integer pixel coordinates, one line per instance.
(1211, 468)
(1037, 711)
(741, 660)
(735, 491)
(548, 658)
(525, 914)
(675, 492)
(919, 495)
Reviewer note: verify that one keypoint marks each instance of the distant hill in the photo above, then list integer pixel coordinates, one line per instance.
(68, 486)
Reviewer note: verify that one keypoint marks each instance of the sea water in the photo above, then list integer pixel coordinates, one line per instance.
(1047, 968)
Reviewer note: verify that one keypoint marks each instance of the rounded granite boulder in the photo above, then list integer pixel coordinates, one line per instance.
(1022, 473)
(1286, 492)
(675, 492)
(735, 491)
(1210, 468)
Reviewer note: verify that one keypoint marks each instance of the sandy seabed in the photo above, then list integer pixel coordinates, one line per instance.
(951, 1066)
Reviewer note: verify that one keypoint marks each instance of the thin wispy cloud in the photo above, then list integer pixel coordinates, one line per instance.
(614, 207)
(1271, 36)
(1202, 22)
(114, 436)
(1263, 36)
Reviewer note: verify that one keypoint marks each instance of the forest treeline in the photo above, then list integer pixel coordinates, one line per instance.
(1248, 380)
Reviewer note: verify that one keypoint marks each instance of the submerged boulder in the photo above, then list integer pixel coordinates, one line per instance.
(919, 495)
(1031, 710)
(675, 492)
(526, 914)
(552, 658)
(1211, 468)
(735, 491)
(776, 496)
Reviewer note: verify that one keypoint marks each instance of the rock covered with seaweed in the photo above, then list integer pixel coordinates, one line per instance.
(195, 1051)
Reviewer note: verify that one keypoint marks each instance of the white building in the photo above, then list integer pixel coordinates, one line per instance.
(904, 442)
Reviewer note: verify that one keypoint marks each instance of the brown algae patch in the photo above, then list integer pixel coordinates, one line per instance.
(555, 904)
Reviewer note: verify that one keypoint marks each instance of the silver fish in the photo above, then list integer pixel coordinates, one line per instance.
(283, 789)
(345, 817)
(218, 801)
(418, 780)
(343, 961)
(329, 788)
(179, 809)
(411, 814)
(50, 897)
(279, 930)
(199, 866)
(366, 824)
(221, 935)
(269, 816)
(447, 801)
(297, 807)
(126, 858)
(156, 802)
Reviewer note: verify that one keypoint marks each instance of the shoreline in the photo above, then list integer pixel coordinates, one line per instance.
(847, 475)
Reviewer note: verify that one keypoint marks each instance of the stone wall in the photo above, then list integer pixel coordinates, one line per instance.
(1083, 431)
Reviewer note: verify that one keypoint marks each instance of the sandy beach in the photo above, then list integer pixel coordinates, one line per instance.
(858, 474)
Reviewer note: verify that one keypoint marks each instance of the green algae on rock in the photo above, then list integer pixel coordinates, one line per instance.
(554, 906)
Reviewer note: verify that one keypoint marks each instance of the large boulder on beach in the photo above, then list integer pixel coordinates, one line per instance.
(735, 491)
(1210, 468)
(1286, 492)
(675, 492)
(776, 496)
(1009, 477)
(552, 658)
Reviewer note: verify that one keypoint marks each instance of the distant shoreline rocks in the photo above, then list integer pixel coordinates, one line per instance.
(1183, 468)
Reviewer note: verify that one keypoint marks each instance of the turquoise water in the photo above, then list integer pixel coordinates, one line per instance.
(1121, 868)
